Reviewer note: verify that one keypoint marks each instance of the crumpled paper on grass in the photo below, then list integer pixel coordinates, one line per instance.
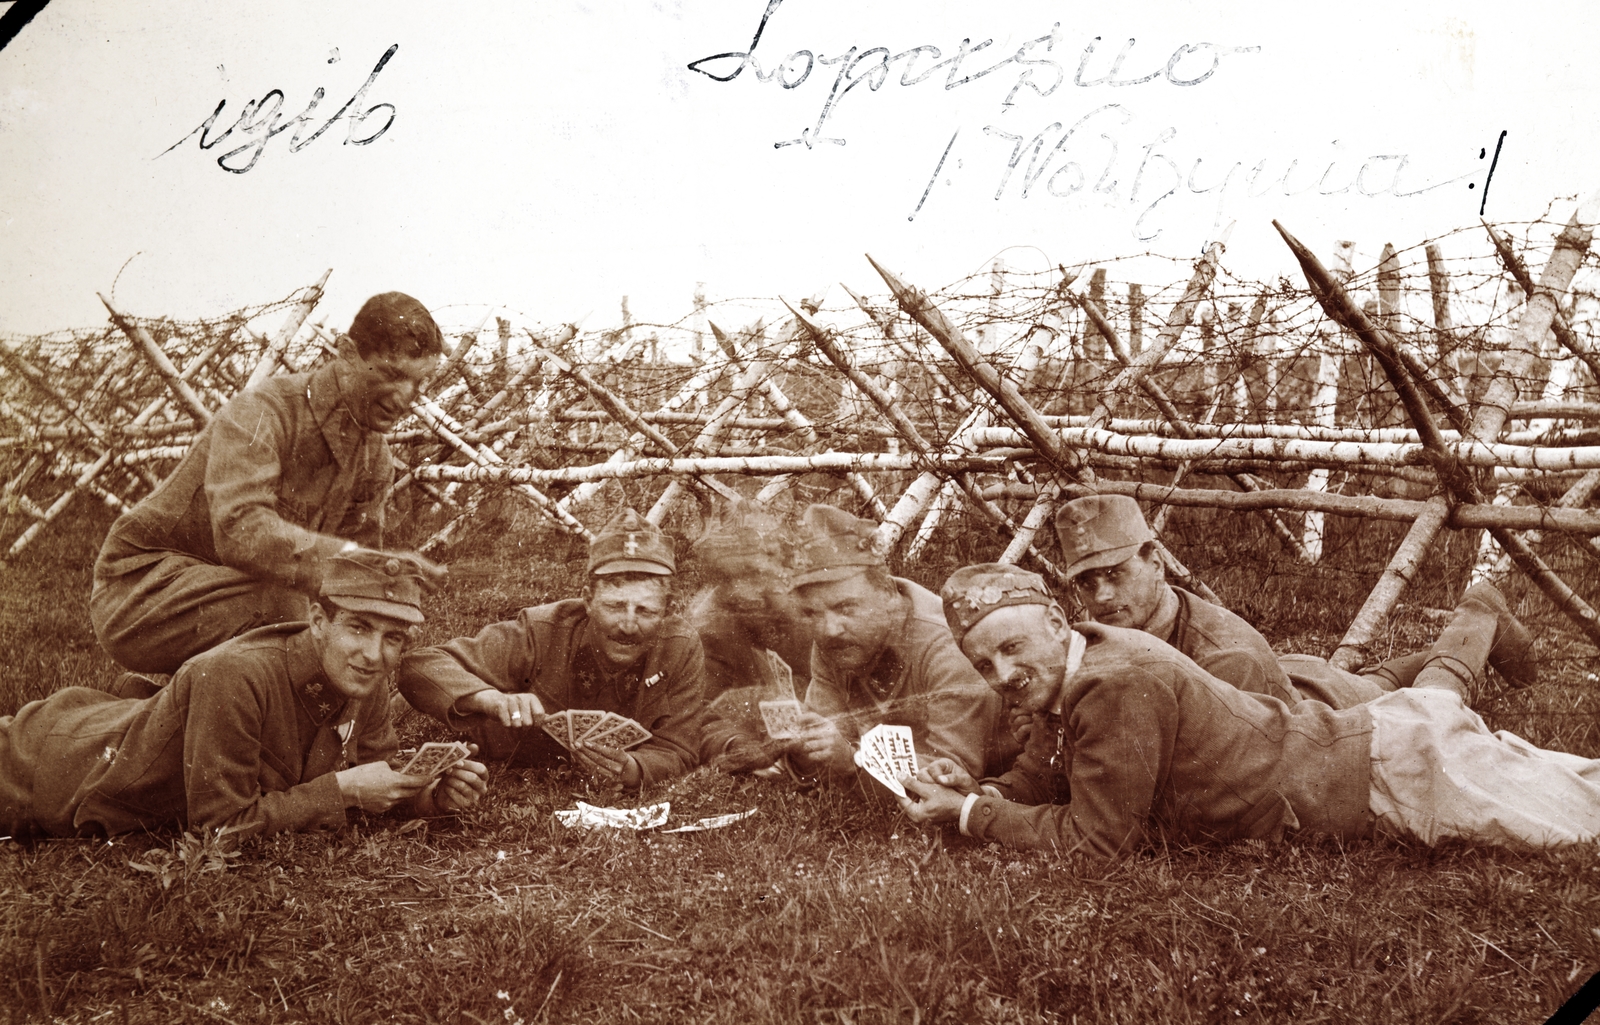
(590, 817)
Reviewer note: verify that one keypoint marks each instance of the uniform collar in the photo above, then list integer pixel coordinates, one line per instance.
(1165, 616)
(316, 695)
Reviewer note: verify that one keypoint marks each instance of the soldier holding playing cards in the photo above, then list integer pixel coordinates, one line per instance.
(882, 654)
(1140, 743)
(614, 649)
(281, 728)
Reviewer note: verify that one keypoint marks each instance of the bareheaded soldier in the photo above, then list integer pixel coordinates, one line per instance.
(288, 475)
(616, 648)
(1142, 744)
(882, 654)
(282, 728)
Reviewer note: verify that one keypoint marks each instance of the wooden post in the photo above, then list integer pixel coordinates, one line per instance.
(1135, 318)
(163, 366)
(273, 354)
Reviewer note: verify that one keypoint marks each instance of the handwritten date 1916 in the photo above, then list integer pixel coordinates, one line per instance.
(262, 119)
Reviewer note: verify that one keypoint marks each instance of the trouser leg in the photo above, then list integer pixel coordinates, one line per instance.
(154, 620)
(1397, 672)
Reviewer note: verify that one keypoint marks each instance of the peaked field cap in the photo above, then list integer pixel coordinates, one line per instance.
(363, 581)
(631, 544)
(973, 592)
(834, 545)
(1100, 531)
(388, 319)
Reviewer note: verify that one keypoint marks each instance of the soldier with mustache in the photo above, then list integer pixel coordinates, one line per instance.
(882, 654)
(288, 475)
(1140, 743)
(1118, 577)
(616, 648)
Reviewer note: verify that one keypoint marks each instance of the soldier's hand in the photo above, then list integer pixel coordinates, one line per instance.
(434, 575)
(742, 755)
(460, 787)
(375, 787)
(821, 744)
(513, 710)
(947, 772)
(933, 803)
(1023, 725)
(610, 761)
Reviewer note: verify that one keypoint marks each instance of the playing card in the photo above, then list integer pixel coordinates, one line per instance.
(782, 718)
(622, 736)
(887, 753)
(587, 721)
(434, 757)
(556, 725)
(783, 674)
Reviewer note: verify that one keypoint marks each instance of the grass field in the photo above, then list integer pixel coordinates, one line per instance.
(826, 906)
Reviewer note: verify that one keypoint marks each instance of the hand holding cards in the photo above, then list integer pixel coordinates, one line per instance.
(605, 729)
(887, 753)
(434, 757)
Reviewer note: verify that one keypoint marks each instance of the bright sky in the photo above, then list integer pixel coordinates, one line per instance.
(549, 158)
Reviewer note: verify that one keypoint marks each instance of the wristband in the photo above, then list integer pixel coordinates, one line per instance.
(966, 810)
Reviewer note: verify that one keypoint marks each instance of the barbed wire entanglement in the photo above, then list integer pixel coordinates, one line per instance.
(1449, 386)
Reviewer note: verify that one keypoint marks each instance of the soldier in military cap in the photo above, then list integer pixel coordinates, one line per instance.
(282, 728)
(615, 648)
(1118, 576)
(1143, 744)
(882, 654)
(289, 474)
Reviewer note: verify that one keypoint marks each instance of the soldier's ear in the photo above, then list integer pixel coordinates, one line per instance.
(1057, 618)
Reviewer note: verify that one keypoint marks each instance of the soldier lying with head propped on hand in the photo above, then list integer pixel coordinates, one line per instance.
(1140, 744)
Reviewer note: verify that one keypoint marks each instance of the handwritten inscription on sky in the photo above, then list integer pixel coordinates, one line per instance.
(1107, 153)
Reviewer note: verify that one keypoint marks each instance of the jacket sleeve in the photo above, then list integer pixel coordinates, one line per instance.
(674, 712)
(501, 657)
(250, 438)
(1123, 732)
(1028, 779)
(962, 709)
(223, 763)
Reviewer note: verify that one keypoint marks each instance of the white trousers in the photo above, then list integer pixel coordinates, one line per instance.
(1437, 773)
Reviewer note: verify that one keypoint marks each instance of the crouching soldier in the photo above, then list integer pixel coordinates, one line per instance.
(613, 649)
(882, 654)
(1145, 744)
(281, 728)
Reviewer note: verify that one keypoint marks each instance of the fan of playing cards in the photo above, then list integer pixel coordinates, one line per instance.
(434, 757)
(605, 729)
(887, 754)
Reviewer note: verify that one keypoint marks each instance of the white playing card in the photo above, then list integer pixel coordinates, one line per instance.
(888, 753)
(435, 757)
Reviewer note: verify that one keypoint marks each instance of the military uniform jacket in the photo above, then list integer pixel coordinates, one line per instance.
(546, 651)
(1159, 747)
(247, 735)
(922, 680)
(277, 482)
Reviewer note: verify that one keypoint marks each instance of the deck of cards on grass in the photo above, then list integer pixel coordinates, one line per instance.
(434, 757)
(603, 729)
(887, 754)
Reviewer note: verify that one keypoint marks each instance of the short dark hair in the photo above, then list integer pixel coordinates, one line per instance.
(393, 323)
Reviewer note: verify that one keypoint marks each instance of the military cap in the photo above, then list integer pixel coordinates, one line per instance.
(367, 581)
(1100, 531)
(631, 544)
(833, 545)
(973, 592)
(391, 321)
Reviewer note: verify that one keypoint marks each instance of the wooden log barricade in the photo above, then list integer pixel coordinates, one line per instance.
(1375, 396)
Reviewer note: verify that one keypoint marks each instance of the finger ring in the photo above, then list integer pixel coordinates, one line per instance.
(516, 715)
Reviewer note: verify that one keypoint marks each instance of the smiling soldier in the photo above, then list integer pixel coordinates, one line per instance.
(1142, 744)
(289, 474)
(882, 654)
(616, 648)
(282, 728)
